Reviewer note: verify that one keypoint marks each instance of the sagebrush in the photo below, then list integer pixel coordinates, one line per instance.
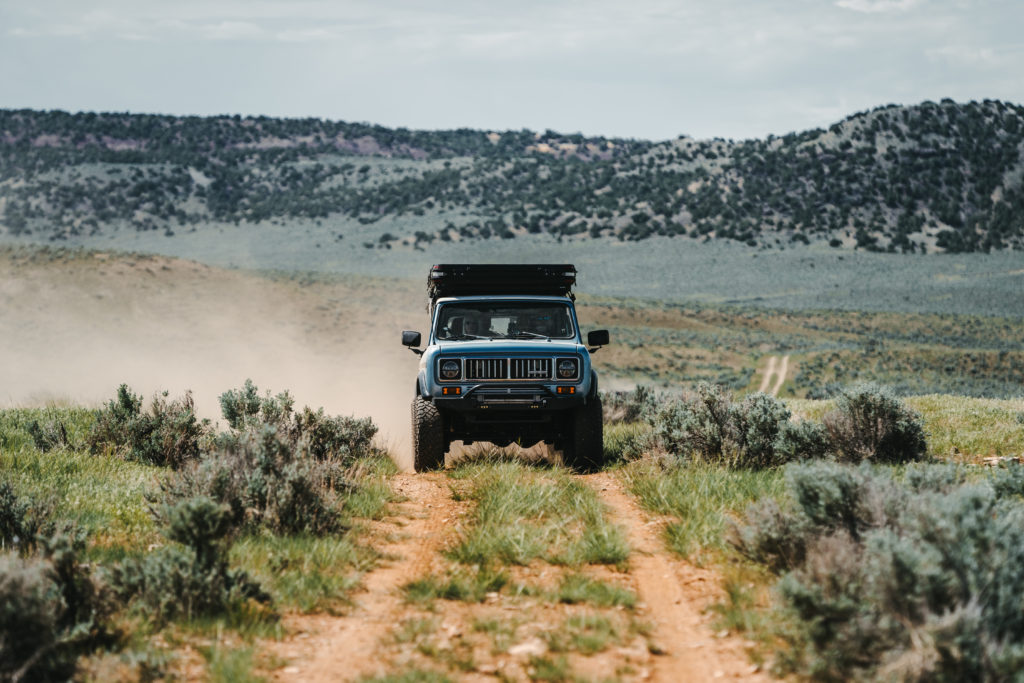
(916, 577)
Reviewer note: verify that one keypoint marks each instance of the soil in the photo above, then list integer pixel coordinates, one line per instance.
(775, 368)
(326, 648)
(673, 595)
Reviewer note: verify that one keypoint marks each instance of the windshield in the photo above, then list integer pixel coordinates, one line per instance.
(504, 320)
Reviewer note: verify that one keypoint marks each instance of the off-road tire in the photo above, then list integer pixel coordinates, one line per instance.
(428, 443)
(584, 451)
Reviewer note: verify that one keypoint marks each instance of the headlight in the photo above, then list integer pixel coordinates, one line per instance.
(450, 369)
(568, 368)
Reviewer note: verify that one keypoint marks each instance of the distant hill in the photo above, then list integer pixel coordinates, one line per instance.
(930, 177)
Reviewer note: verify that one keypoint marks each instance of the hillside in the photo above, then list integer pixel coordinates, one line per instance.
(924, 178)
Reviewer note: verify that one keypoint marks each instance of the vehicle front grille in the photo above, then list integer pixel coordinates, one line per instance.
(531, 368)
(508, 368)
(486, 368)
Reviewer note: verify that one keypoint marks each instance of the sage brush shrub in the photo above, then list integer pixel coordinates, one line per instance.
(23, 520)
(709, 426)
(265, 481)
(51, 610)
(321, 436)
(194, 580)
(803, 440)
(49, 436)
(628, 406)
(871, 423)
(167, 434)
(918, 577)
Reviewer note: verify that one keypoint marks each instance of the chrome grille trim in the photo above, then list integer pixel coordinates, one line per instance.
(486, 368)
(531, 368)
(505, 369)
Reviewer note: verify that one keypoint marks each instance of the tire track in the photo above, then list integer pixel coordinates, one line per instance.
(675, 595)
(782, 370)
(778, 369)
(329, 648)
(766, 378)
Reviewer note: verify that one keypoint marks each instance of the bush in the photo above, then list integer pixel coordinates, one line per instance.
(871, 423)
(22, 521)
(321, 436)
(243, 408)
(191, 581)
(912, 579)
(628, 406)
(265, 481)
(168, 434)
(708, 425)
(51, 610)
(30, 609)
(48, 437)
(804, 440)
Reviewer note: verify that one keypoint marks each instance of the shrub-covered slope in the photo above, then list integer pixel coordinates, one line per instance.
(944, 176)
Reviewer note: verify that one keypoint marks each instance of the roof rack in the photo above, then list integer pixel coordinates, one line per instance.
(462, 279)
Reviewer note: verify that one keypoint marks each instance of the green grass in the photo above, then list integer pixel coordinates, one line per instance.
(585, 633)
(957, 427)
(700, 499)
(501, 632)
(371, 499)
(526, 513)
(578, 588)
(307, 573)
(463, 584)
(551, 669)
(105, 495)
(226, 665)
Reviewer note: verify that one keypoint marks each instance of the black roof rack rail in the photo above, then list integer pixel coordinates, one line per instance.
(463, 279)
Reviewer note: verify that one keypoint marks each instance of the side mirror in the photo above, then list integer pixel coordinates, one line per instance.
(411, 339)
(597, 338)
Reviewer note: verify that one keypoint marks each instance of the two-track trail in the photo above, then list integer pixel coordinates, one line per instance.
(774, 368)
(674, 594)
(345, 648)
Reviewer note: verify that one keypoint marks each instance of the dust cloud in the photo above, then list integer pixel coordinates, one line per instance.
(73, 330)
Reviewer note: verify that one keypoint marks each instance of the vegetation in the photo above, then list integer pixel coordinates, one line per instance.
(152, 545)
(868, 423)
(167, 434)
(909, 576)
(661, 344)
(930, 177)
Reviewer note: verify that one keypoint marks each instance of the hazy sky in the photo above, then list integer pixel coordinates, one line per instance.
(634, 68)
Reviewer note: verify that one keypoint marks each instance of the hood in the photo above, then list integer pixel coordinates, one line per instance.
(509, 347)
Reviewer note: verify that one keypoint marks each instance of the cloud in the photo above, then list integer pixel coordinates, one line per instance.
(878, 6)
(966, 55)
(230, 30)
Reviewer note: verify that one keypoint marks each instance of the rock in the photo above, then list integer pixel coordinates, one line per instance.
(533, 646)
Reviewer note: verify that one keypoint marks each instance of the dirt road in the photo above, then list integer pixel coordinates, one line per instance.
(777, 369)
(675, 595)
(328, 648)
(382, 634)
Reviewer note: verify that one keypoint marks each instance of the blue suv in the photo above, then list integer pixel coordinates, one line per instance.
(505, 363)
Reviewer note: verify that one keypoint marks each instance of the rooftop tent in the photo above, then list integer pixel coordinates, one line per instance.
(464, 279)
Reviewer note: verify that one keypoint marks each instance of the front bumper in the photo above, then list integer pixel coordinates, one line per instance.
(528, 399)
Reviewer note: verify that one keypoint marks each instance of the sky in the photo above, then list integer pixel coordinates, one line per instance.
(650, 69)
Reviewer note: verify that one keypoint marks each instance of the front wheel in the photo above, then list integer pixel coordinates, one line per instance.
(585, 446)
(428, 442)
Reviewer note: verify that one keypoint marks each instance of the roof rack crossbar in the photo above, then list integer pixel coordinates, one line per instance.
(462, 279)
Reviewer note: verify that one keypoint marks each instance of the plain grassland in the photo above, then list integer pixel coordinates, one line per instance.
(109, 498)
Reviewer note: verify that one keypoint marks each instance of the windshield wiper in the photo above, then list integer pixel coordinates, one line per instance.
(530, 335)
(462, 337)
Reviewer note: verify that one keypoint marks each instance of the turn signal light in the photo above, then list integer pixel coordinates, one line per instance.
(565, 390)
(450, 391)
